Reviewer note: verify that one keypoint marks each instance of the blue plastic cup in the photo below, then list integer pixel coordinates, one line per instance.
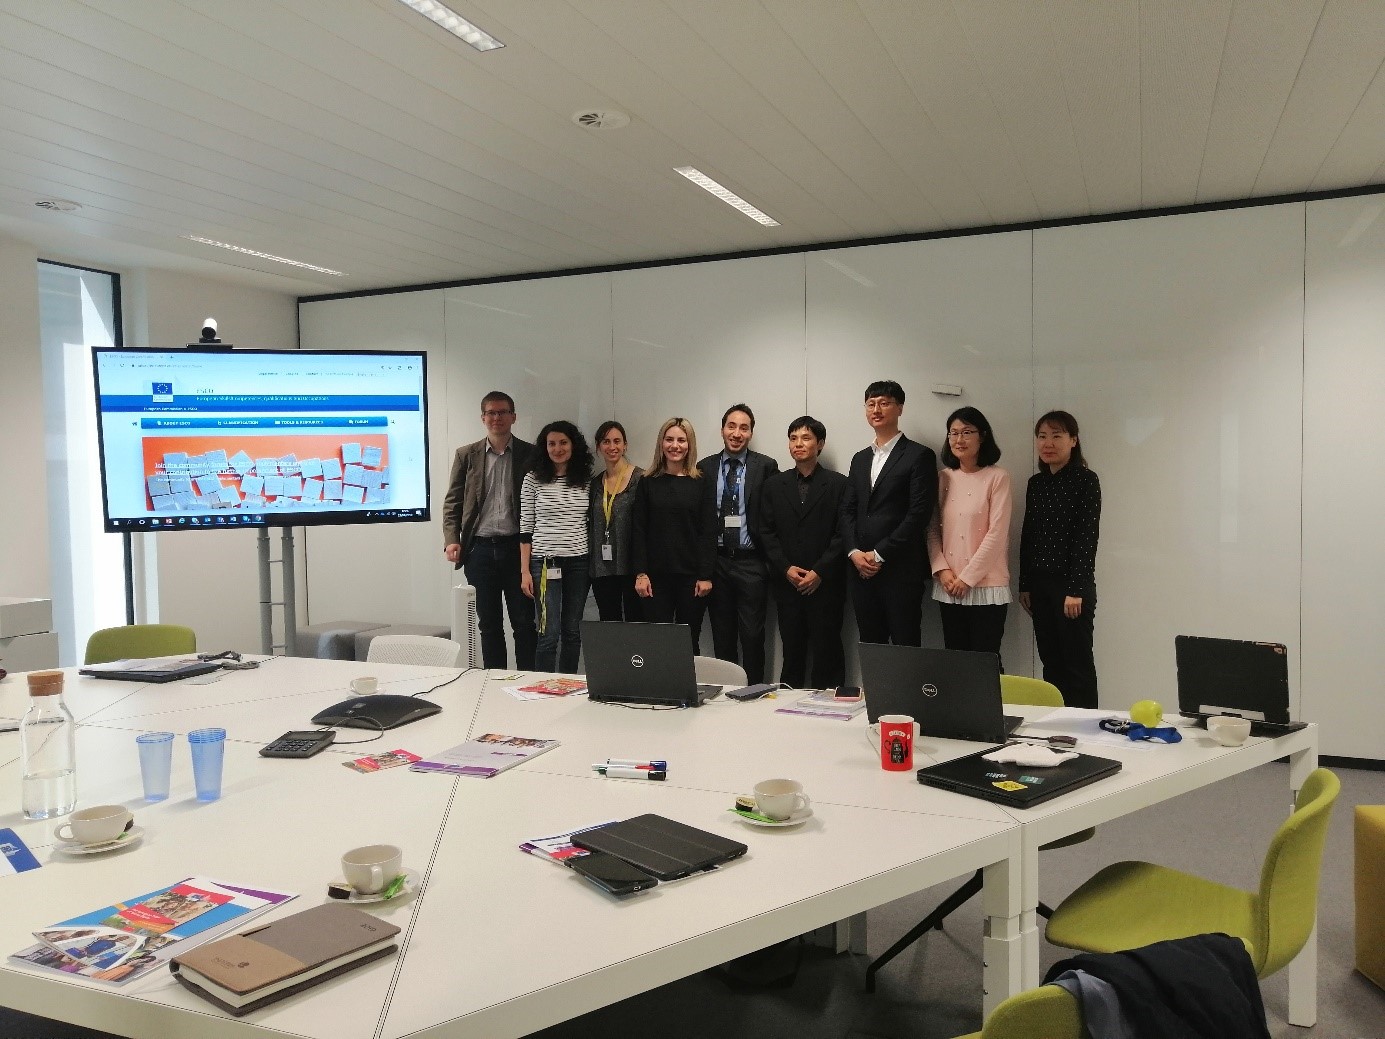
(155, 763)
(207, 746)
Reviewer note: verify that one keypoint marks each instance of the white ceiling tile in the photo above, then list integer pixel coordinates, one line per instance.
(1264, 51)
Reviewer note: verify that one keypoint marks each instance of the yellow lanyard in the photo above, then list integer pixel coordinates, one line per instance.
(608, 500)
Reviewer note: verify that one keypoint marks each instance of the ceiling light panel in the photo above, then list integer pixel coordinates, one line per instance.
(728, 196)
(454, 23)
(263, 256)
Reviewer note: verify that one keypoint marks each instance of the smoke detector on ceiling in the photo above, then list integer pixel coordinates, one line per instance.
(597, 119)
(58, 205)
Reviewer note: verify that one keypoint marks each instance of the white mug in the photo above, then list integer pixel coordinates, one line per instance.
(370, 869)
(365, 685)
(95, 825)
(1229, 731)
(779, 799)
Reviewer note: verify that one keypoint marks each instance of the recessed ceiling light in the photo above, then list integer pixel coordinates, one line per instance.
(455, 24)
(58, 205)
(263, 256)
(728, 196)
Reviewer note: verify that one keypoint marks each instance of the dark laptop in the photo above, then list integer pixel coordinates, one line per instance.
(1018, 786)
(1231, 676)
(663, 848)
(953, 694)
(156, 670)
(639, 663)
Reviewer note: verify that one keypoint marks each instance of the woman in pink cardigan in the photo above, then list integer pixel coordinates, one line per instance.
(969, 541)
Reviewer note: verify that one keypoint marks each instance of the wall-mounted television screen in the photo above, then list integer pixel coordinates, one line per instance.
(191, 439)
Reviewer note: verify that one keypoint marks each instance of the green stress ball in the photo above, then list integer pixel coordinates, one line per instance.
(1148, 713)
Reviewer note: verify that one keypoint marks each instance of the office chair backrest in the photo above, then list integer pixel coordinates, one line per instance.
(1288, 900)
(427, 650)
(714, 671)
(135, 641)
(1029, 692)
(1046, 1012)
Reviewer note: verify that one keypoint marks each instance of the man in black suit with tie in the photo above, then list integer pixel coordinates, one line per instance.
(890, 497)
(807, 567)
(740, 584)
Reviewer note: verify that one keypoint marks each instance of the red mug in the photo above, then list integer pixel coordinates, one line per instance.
(896, 742)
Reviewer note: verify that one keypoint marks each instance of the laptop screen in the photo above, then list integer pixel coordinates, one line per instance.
(1229, 676)
(639, 663)
(952, 694)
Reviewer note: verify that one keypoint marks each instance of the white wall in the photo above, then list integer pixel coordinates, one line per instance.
(24, 565)
(1343, 492)
(1214, 360)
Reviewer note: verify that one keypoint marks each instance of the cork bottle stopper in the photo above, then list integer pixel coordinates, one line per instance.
(45, 683)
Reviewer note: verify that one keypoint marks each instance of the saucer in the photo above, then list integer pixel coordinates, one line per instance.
(129, 838)
(801, 816)
(411, 879)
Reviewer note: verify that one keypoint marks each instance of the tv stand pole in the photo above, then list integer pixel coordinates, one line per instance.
(290, 590)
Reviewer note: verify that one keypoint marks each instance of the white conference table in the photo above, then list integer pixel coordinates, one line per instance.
(499, 943)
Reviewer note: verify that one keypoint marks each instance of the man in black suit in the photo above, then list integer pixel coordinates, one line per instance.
(890, 497)
(802, 541)
(740, 585)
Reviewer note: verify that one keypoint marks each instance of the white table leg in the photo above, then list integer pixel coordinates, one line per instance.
(1010, 941)
(1303, 968)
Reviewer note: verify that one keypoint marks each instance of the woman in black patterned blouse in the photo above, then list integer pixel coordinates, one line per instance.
(1062, 521)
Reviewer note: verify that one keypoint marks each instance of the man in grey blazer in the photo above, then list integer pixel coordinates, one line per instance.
(740, 584)
(480, 525)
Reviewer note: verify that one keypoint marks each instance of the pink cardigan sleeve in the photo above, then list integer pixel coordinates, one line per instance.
(936, 560)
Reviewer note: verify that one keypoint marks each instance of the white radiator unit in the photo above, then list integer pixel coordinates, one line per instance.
(466, 630)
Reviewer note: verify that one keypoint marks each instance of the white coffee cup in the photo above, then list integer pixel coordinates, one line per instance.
(95, 825)
(1229, 731)
(370, 869)
(779, 799)
(365, 685)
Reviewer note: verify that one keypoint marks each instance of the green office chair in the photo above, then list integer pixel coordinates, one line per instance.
(1014, 689)
(1132, 904)
(1046, 1012)
(134, 641)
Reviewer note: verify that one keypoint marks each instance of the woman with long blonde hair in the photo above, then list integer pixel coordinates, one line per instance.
(674, 545)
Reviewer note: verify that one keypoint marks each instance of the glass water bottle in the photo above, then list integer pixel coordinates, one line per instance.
(47, 737)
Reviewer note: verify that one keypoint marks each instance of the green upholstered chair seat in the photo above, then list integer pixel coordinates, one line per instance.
(1133, 904)
(1116, 909)
(1046, 1012)
(136, 641)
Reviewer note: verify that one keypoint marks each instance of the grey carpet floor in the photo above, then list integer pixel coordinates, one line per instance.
(933, 991)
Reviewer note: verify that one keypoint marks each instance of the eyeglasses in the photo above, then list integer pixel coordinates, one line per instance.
(962, 434)
(496, 414)
(881, 404)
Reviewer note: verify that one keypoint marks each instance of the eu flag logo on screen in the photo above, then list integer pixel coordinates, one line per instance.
(161, 391)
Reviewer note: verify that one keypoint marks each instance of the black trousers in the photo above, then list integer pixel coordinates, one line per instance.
(616, 599)
(811, 625)
(737, 605)
(674, 602)
(889, 607)
(977, 628)
(492, 568)
(1065, 646)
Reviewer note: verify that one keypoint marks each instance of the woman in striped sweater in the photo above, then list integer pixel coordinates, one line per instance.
(553, 564)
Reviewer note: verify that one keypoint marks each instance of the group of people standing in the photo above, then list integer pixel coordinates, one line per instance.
(539, 526)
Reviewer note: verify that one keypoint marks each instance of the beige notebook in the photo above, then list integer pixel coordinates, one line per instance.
(247, 971)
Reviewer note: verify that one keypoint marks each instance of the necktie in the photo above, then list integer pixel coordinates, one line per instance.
(730, 503)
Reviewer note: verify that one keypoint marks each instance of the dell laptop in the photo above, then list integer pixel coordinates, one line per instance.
(953, 694)
(1019, 786)
(1230, 676)
(637, 663)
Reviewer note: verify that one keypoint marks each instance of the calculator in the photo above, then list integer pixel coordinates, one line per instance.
(299, 744)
